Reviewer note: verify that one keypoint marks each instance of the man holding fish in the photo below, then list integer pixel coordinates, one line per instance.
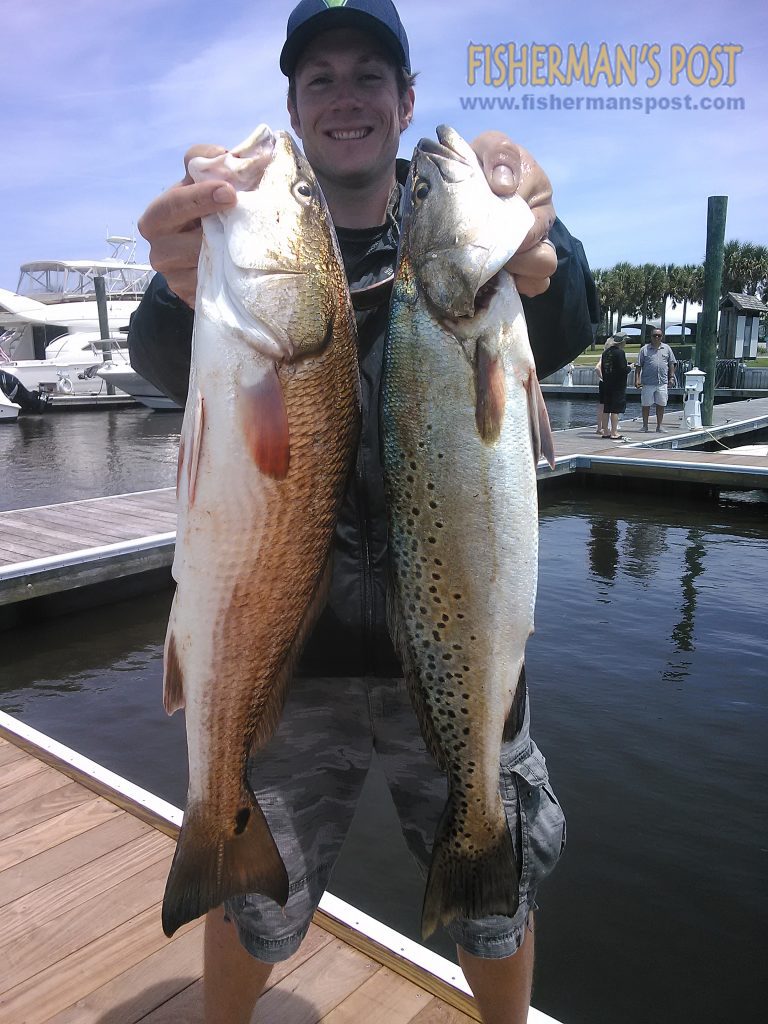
(350, 97)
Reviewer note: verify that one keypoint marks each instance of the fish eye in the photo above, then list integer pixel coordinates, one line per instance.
(302, 190)
(421, 191)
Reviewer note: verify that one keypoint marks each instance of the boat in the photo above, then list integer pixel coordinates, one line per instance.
(50, 333)
(123, 377)
(9, 411)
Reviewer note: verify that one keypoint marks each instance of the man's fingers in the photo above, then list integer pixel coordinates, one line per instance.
(500, 159)
(539, 261)
(531, 286)
(173, 253)
(181, 207)
(184, 284)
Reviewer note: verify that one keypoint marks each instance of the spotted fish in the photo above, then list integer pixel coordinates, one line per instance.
(463, 426)
(269, 434)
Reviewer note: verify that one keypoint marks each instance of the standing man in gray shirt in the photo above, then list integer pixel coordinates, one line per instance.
(654, 370)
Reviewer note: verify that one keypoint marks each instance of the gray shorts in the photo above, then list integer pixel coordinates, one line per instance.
(308, 779)
(654, 394)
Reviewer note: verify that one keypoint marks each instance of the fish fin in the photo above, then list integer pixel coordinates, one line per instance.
(266, 425)
(173, 678)
(490, 392)
(190, 446)
(210, 866)
(180, 463)
(468, 887)
(415, 692)
(541, 432)
(514, 720)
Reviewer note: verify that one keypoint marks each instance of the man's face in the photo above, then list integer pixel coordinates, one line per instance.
(656, 338)
(348, 111)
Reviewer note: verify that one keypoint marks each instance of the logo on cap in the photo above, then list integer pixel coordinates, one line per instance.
(334, 3)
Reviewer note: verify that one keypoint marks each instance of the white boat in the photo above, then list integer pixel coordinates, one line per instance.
(9, 411)
(123, 377)
(50, 335)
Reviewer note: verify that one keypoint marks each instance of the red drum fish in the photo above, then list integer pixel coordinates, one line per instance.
(463, 426)
(269, 434)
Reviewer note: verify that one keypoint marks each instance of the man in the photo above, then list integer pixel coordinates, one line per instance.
(350, 97)
(654, 370)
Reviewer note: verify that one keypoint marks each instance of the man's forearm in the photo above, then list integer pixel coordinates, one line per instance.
(160, 340)
(562, 321)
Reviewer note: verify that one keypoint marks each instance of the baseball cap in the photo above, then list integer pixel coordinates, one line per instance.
(310, 17)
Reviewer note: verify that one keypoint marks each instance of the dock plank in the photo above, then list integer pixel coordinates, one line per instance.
(51, 990)
(41, 948)
(317, 986)
(440, 1013)
(55, 830)
(76, 896)
(42, 807)
(134, 994)
(187, 1006)
(58, 861)
(385, 998)
(17, 771)
(10, 753)
(33, 786)
(81, 940)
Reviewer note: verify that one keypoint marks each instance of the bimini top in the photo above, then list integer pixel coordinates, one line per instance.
(50, 281)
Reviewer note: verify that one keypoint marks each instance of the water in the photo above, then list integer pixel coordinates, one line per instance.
(648, 683)
(65, 456)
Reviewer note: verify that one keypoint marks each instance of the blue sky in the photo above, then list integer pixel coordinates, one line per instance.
(99, 103)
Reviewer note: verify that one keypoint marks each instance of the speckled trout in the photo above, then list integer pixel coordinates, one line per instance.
(463, 426)
(269, 433)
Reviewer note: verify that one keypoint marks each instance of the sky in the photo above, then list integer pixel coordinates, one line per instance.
(99, 102)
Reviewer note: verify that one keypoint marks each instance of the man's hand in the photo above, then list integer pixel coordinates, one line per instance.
(511, 169)
(171, 225)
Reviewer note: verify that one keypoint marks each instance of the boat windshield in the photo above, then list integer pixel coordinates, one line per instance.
(52, 281)
(72, 281)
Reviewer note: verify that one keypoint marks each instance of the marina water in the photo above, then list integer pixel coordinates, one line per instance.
(649, 693)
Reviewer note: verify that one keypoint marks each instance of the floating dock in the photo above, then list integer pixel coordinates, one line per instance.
(75, 544)
(84, 856)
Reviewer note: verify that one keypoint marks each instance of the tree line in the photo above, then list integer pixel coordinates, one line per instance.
(628, 290)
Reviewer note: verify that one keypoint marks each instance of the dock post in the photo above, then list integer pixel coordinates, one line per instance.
(100, 288)
(706, 337)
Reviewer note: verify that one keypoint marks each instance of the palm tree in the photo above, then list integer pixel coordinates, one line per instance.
(690, 287)
(628, 290)
(652, 281)
(671, 274)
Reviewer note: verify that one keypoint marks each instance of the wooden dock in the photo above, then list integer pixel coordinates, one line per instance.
(82, 872)
(48, 549)
(78, 543)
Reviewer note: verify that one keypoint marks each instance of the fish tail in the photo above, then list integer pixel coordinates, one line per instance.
(211, 865)
(466, 884)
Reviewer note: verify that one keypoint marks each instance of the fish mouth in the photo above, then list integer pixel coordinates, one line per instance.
(444, 155)
(481, 303)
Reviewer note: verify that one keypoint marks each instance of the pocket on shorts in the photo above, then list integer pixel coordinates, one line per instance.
(534, 816)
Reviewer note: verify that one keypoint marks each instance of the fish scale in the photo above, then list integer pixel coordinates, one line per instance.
(268, 439)
(460, 476)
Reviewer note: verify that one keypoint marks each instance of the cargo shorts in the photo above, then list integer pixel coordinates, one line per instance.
(308, 779)
(654, 394)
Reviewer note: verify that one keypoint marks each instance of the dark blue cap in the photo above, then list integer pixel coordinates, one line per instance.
(378, 17)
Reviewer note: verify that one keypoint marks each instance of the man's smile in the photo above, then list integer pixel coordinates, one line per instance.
(345, 134)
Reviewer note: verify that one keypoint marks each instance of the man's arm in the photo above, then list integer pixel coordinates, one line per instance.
(562, 322)
(160, 339)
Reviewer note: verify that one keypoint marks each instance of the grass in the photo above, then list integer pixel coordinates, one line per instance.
(590, 356)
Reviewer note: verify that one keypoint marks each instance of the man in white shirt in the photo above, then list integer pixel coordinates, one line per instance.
(654, 370)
